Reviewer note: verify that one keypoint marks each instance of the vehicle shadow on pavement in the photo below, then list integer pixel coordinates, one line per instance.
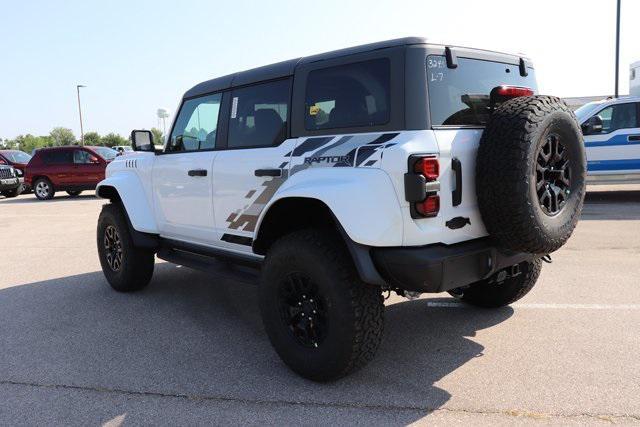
(611, 205)
(200, 336)
(30, 198)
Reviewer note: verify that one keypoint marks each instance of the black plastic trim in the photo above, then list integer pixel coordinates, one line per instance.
(452, 59)
(456, 194)
(523, 67)
(169, 245)
(239, 240)
(439, 267)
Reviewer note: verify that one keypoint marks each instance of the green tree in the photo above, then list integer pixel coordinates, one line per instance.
(29, 142)
(62, 136)
(158, 138)
(92, 138)
(113, 139)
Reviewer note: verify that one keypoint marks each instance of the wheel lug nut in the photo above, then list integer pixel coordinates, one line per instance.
(314, 312)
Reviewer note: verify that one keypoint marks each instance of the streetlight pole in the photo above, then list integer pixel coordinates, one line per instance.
(617, 48)
(80, 112)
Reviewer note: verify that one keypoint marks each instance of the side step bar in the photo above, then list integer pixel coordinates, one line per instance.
(210, 260)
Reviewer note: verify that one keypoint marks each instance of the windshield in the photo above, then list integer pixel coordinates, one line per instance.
(460, 96)
(586, 111)
(106, 153)
(17, 156)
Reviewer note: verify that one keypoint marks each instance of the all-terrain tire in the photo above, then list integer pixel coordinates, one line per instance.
(74, 193)
(44, 189)
(490, 294)
(126, 267)
(347, 328)
(515, 185)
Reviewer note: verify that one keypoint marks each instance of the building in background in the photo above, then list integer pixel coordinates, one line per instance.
(634, 79)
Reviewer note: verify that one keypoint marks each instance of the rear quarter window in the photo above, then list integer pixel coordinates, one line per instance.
(460, 96)
(350, 95)
(57, 157)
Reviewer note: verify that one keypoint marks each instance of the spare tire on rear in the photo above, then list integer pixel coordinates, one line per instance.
(530, 169)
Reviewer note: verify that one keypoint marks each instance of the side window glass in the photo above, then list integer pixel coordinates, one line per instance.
(80, 157)
(349, 95)
(58, 157)
(621, 116)
(197, 124)
(259, 115)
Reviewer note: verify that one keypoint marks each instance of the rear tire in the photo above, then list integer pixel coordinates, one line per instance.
(74, 193)
(492, 295)
(126, 267)
(342, 328)
(43, 189)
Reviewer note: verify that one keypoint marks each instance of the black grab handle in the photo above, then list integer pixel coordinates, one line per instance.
(197, 172)
(456, 195)
(268, 172)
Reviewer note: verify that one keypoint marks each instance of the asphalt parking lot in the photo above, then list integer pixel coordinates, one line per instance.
(190, 349)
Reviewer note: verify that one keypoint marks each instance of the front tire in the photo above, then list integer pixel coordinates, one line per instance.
(43, 189)
(126, 267)
(322, 320)
(487, 293)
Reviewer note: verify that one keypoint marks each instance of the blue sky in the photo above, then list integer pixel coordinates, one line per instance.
(138, 56)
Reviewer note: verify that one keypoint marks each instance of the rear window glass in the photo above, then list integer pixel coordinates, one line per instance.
(351, 95)
(460, 96)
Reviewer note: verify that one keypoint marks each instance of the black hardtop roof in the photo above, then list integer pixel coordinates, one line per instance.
(287, 68)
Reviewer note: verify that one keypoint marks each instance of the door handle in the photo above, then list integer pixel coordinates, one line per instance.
(456, 195)
(268, 172)
(197, 172)
(632, 138)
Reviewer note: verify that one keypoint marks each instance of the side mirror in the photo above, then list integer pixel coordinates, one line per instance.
(593, 125)
(94, 160)
(142, 140)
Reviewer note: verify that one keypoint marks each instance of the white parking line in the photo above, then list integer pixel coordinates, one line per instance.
(542, 306)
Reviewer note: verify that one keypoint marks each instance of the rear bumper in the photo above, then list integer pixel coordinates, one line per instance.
(439, 267)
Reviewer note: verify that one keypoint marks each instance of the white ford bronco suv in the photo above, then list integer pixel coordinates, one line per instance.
(395, 166)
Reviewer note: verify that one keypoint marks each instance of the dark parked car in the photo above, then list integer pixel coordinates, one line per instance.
(9, 182)
(18, 159)
(72, 169)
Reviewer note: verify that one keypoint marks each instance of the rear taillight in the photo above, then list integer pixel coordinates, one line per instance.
(422, 186)
(429, 207)
(428, 167)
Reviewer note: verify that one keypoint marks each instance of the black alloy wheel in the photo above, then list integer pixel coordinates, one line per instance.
(113, 248)
(553, 175)
(302, 309)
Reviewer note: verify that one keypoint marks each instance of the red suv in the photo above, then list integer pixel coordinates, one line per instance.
(71, 169)
(18, 159)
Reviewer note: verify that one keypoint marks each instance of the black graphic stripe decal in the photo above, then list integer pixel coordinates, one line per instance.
(385, 137)
(311, 144)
